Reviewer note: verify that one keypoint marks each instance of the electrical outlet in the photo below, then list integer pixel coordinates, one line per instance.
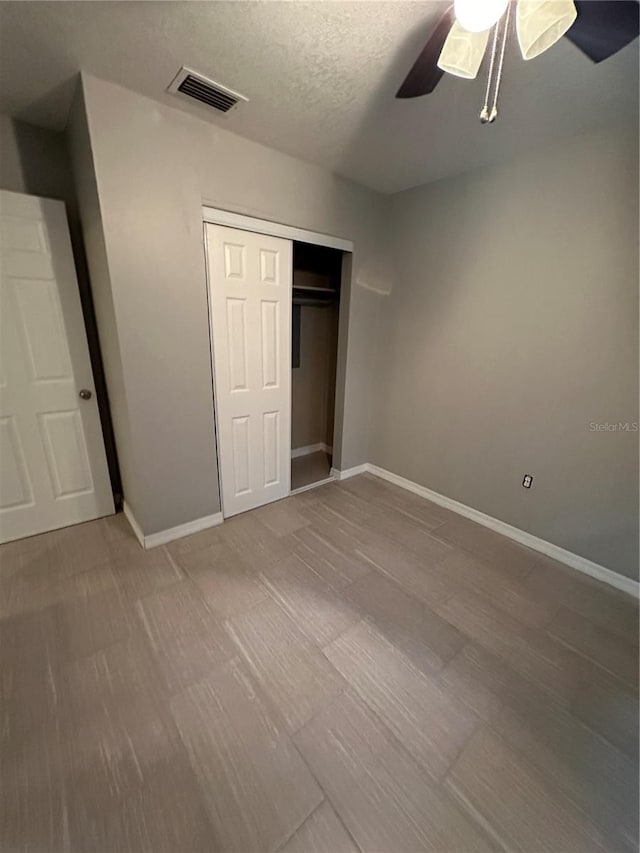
(528, 480)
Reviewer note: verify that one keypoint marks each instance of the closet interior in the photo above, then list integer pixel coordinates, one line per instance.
(314, 343)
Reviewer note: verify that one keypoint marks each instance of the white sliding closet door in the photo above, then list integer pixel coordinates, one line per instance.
(53, 468)
(250, 279)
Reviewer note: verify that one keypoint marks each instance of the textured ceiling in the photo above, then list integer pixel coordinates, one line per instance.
(321, 77)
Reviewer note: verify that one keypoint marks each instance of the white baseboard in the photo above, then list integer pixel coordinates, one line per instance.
(164, 536)
(349, 472)
(312, 486)
(310, 448)
(575, 561)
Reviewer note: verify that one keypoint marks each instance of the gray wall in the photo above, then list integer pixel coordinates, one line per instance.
(513, 325)
(153, 168)
(33, 160)
(313, 385)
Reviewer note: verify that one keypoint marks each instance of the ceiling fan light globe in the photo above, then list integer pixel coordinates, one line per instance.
(541, 23)
(475, 16)
(462, 52)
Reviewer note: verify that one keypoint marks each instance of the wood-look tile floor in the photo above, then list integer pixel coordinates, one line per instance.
(312, 468)
(352, 668)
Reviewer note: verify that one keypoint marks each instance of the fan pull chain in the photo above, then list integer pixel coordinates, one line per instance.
(484, 112)
(500, 32)
(494, 109)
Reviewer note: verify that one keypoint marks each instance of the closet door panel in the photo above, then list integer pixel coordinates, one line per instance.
(250, 279)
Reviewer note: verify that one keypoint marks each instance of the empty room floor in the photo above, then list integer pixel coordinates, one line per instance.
(352, 668)
(312, 468)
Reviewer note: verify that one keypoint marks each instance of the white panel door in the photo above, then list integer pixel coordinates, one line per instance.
(53, 469)
(250, 302)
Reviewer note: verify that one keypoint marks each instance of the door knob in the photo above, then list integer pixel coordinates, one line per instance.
(85, 394)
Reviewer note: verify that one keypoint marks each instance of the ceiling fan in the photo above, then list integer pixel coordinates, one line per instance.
(599, 28)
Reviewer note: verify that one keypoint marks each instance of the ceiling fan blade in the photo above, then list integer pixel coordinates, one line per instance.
(425, 74)
(603, 27)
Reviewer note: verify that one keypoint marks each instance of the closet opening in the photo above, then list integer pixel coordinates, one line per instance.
(317, 272)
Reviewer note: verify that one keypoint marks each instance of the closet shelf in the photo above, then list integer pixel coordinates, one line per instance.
(310, 289)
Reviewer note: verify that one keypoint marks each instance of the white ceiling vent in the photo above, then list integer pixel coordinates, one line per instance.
(191, 84)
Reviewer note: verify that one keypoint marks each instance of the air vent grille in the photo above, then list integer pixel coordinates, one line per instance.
(193, 85)
(207, 94)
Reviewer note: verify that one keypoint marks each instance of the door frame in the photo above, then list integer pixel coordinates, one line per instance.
(218, 216)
